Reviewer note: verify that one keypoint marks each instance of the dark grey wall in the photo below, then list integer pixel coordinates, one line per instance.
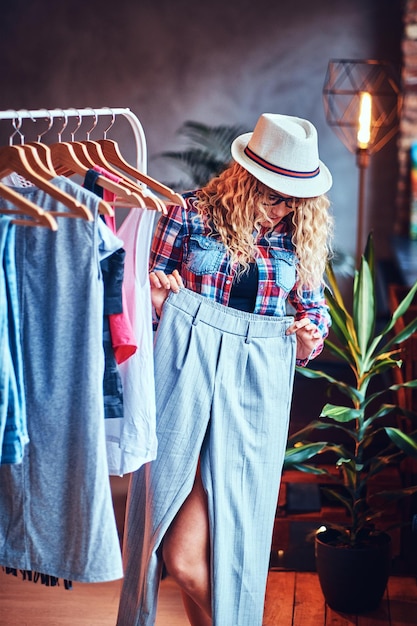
(216, 62)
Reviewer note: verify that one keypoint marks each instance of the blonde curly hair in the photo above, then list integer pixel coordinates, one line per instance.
(233, 203)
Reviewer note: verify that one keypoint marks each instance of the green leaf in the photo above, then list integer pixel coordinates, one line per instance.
(403, 441)
(340, 413)
(350, 472)
(303, 452)
(337, 496)
(348, 390)
(405, 303)
(337, 351)
(380, 367)
(307, 469)
(334, 287)
(403, 411)
(340, 352)
(384, 360)
(339, 450)
(308, 372)
(300, 435)
(403, 335)
(342, 324)
(401, 309)
(364, 307)
(408, 383)
(369, 253)
(383, 410)
(317, 374)
(373, 397)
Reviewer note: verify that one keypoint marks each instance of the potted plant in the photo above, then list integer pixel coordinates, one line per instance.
(361, 444)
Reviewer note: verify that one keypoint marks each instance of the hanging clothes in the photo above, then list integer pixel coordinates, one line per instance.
(131, 442)
(122, 335)
(56, 511)
(13, 424)
(112, 269)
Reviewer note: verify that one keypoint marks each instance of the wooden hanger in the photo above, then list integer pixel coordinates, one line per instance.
(27, 161)
(90, 154)
(42, 150)
(112, 154)
(67, 158)
(38, 217)
(73, 158)
(39, 157)
(148, 201)
(90, 151)
(15, 158)
(43, 154)
(151, 201)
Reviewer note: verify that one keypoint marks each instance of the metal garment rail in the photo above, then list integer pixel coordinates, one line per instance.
(138, 132)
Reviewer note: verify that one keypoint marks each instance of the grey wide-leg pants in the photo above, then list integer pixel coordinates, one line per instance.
(224, 383)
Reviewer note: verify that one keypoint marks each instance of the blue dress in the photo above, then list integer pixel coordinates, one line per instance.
(13, 426)
(56, 511)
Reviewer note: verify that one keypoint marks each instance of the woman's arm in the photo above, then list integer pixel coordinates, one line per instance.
(166, 256)
(161, 285)
(312, 322)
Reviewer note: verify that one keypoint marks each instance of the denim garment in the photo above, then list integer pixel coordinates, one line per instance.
(56, 509)
(112, 381)
(13, 427)
(188, 242)
(233, 415)
(112, 268)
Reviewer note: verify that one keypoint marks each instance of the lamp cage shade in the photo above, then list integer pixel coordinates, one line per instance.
(345, 82)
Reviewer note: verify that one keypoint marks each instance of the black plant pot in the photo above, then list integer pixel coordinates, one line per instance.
(353, 580)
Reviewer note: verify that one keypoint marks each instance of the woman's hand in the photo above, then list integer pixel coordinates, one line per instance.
(308, 337)
(161, 285)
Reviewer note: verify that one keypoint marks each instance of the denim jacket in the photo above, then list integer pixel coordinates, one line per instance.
(184, 241)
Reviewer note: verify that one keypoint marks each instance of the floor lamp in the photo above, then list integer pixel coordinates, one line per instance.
(362, 102)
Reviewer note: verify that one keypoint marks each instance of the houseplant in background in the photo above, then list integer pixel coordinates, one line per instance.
(206, 154)
(353, 559)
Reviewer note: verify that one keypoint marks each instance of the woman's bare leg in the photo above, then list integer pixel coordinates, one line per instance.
(186, 553)
(196, 615)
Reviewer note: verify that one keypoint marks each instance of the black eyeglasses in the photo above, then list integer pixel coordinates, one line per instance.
(276, 198)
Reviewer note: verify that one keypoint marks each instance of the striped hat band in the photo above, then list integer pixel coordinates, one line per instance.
(277, 169)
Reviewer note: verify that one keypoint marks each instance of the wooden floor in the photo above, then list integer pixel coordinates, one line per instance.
(293, 599)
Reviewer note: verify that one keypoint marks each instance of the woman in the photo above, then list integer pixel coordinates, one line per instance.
(223, 273)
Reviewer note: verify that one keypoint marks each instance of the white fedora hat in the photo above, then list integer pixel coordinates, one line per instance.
(282, 152)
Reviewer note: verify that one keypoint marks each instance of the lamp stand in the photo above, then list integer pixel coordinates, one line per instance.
(362, 161)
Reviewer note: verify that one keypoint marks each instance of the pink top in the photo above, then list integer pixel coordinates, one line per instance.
(121, 331)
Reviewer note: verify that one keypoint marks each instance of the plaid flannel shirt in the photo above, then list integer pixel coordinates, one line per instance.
(183, 241)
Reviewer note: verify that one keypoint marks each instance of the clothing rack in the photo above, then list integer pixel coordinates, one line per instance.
(138, 132)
